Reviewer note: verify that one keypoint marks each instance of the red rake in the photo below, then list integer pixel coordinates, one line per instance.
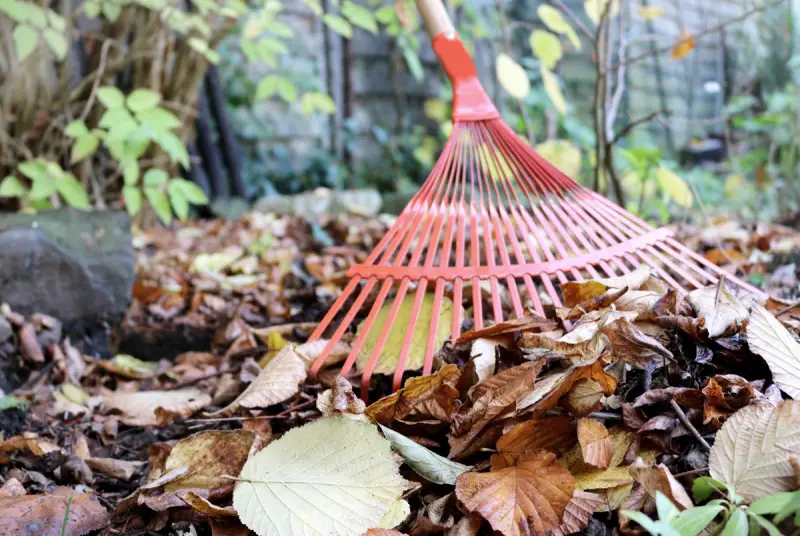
(526, 222)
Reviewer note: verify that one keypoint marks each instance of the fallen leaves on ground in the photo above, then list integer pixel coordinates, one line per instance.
(62, 512)
(609, 392)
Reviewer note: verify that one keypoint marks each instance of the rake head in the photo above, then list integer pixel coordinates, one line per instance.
(493, 215)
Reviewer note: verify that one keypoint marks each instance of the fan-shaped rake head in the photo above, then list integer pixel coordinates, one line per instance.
(492, 218)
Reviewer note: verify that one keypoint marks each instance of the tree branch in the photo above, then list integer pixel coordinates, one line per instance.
(576, 21)
(637, 122)
(704, 33)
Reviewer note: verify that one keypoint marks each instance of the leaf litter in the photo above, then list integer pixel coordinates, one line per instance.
(205, 415)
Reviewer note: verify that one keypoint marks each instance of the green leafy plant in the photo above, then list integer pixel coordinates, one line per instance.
(727, 516)
(36, 24)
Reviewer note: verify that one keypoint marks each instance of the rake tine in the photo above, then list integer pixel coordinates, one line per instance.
(412, 325)
(434, 330)
(366, 327)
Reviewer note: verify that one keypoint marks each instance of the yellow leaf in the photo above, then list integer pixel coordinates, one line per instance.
(596, 8)
(685, 44)
(734, 184)
(390, 353)
(553, 90)
(563, 154)
(650, 13)
(553, 20)
(436, 109)
(512, 77)
(546, 47)
(675, 186)
(332, 476)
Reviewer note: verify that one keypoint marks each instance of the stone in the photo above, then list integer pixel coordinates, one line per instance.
(69, 264)
(5, 329)
(323, 202)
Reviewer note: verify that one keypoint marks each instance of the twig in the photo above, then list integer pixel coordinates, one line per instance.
(258, 417)
(692, 472)
(101, 67)
(787, 309)
(576, 20)
(637, 122)
(689, 426)
(708, 31)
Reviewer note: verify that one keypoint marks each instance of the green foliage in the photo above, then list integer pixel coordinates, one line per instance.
(47, 180)
(727, 516)
(34, 25)
(12, 402)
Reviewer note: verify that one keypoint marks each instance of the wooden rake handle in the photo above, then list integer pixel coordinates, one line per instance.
(434, 15)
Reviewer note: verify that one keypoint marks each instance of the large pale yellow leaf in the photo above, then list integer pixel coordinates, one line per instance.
(553, 20)
(752, 449)
(552, 89)
(512, 77)
(278, 381)
(768, 338)
(546, 47)
(675, 186)
(528, 497)
(333, 476)
(394, 343)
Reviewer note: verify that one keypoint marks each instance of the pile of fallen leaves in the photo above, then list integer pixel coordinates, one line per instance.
(210, 423)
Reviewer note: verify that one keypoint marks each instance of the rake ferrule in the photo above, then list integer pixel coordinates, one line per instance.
(470, 101)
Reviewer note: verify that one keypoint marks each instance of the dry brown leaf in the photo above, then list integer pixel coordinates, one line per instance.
(46, 515)
(528, 498)
(383, 532)
(684, 45)
(593, 304)
(277, 382)
(491, 398)
(684, 396)
(633, 347)
(596, 446)
(29, 345)
(659, 479)
(12, 488)
(584, 397)
(204, 506)
(425, 397)
(575, 292)
(722, 311)
(209, 457)
(556, 434)
(549, 389)
(642, 302)
(751, 451)
(139, 409)
(310, 351)
(579, 509)
(583, 345)
(340, 399)
(768, 338)
(510, 326)
(121, 469)
(723, 396)
(484, 355)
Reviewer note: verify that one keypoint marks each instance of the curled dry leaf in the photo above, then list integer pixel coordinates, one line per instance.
(722, 311)
(575, 292)
(340, 399)
(484, 356)
(596, 446)
(139, 409)
(556, 434)
(595, 303)
(309, 473)
(204, 506)
(47, 515)
(526, 497)
(724, 394)
(684, 45)
(310, 351)
(423, 461)
(768, 338)
(425, 397)
(121, 469)
(630, 345)
(210, 457)
(549, 389)
(277, 382)
(502, 328)
(684, 396)
(752, 449)
(31, 349)
(659, 479)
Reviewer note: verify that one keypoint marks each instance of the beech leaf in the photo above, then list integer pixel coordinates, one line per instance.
(630, 345)
(721, 310)
(596, 445)
(768, 338)
(526, 498)
(333, 476)
(139, 409)
(752, 449)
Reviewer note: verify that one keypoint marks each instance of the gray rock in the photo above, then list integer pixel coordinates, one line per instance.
(68, 264)
(322, 201)
(5, 329)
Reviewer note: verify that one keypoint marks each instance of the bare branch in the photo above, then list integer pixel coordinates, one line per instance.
(576, 21)
(704, 33)
(637, 122)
